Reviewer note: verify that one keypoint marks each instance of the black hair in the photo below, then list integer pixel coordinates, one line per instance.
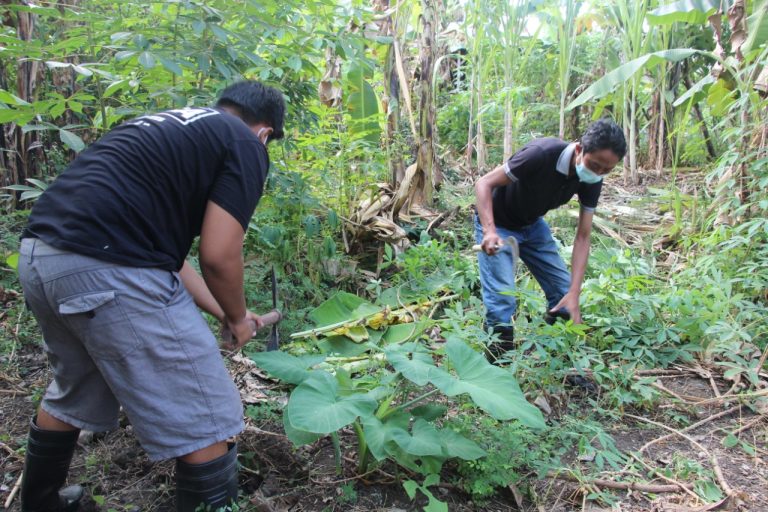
(256, 103)
(604, 134)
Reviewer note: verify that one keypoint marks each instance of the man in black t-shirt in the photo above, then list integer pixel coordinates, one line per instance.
(511, 202)
(103, 269)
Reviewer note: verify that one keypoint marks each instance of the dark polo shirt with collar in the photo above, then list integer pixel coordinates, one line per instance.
(540, 182)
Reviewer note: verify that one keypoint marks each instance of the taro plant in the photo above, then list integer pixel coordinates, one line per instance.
(392, 387)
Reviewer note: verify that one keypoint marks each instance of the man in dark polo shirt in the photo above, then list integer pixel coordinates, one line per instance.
(102, 265)
(512, 199)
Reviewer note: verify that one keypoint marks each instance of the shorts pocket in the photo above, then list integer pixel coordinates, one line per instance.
(98, 319)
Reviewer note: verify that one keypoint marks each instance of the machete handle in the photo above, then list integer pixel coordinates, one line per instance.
(271, 318)
(478, 247)
(267, 319)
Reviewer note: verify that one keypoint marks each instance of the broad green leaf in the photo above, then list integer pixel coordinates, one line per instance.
(363, 105)
(294, 62)
(120, 36)
(623, 73)
(170, 65)
(401, 333)
(414, 362)
(456, 445)
(342, 307)
(493, 389)
(288, 368)
(342, 346)
(315, 405)
(410, 488)
(147, 60)
(429, 412)
(357, 333)
(757, 27)
(116, 86)
(296, 436)
(11, 99)
(720, 97)
(730, 441)
(684, 11)
(125, 54)
(700, 86)
(13, 261)
(12, 115)
(422, 441)
(71, 140)
(378, 433)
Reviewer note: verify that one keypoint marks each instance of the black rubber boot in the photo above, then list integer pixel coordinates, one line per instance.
(506, 342)
(45, 470)
(212, 484)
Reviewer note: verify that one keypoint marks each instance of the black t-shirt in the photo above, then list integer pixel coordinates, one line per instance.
(137, 196)
(538, 186)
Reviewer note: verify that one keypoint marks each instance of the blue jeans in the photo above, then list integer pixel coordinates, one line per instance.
(538, 251)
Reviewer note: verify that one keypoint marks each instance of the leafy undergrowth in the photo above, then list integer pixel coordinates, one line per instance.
(384, 399)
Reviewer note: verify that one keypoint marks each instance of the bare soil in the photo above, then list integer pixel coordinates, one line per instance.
(276, 476)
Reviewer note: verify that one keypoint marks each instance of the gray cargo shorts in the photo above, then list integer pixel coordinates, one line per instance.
(118, 335)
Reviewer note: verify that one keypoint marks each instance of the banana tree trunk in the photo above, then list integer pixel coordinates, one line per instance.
(17, 146)
(425, 158)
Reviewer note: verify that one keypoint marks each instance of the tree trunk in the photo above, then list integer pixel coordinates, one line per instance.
(18, 147)
(426, 160)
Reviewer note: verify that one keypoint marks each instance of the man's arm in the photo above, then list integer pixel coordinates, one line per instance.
(578, 266)
(484, 204)
(221, 262)
(196, 286)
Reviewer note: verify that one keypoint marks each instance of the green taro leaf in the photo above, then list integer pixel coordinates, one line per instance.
(316, 406)
(414, 362)
(456, 445)
(378, 433)
(296, 436)
(424, 440)
(429, 412)
(493, 389)
(288, 368)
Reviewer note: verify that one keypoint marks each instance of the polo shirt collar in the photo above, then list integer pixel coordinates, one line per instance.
(564, 162)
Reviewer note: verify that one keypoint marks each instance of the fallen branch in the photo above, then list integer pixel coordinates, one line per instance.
(690, 427)
(684, 487)
(713, 460)
(610, 484)
(14, 491)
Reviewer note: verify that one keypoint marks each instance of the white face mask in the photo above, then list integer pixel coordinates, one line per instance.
(587, 176)
(258, 135)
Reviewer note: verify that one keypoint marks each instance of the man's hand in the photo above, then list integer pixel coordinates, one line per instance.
(236, 334)
(491, 243)
(570, 301)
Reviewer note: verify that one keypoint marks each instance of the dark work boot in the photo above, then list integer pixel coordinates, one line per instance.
(212, 484)
(506, 342)
(45, 470)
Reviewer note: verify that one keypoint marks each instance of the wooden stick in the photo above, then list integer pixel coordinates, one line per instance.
(14, 491)
(610, 484)
(690, 427)
(685, 487)
(713, 460)
(748, 425)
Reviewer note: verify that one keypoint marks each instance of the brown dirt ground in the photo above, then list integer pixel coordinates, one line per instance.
(278, 477)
